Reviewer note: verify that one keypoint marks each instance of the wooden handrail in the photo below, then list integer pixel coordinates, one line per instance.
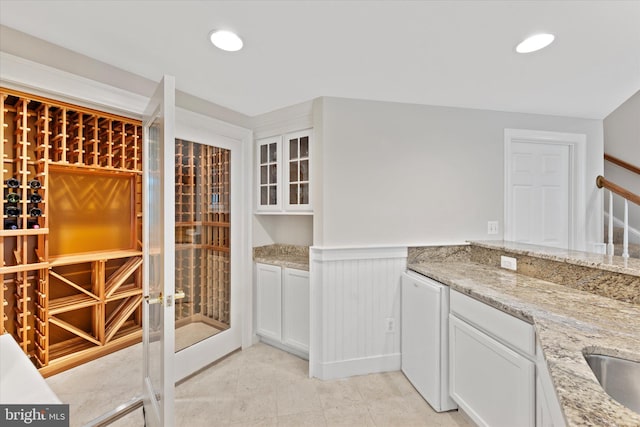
(601, 182)
(622, 163)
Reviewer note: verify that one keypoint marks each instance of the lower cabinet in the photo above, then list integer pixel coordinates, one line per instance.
(548, 410)
(491, 382)
(282, 307)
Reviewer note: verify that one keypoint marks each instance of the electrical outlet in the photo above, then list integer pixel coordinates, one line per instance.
(492, 227)
(508, 263)
(391, 326)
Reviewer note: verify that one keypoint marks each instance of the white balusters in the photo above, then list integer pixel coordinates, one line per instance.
(625, 238)
(610, 229)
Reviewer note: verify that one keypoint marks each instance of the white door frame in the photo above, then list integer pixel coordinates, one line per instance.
(577, 144)
(202, 129)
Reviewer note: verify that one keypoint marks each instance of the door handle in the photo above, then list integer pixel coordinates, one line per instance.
(179, 294)
(150, 300)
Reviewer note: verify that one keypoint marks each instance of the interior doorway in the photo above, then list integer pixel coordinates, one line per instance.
(203, 241)
(544, 188)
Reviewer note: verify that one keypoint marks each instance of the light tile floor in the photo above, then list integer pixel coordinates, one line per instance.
(264, 386)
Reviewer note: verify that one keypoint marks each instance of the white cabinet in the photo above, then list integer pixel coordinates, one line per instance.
(284, 173)
(548, 410)
(282, 308)
(269, 301)
(490, 378)
(295, 309)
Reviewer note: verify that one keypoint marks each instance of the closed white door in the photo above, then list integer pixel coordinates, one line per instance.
(538, 194)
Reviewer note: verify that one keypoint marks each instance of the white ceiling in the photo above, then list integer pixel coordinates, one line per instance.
(454, 53)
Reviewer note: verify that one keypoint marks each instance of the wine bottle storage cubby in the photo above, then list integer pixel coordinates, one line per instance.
(203, 233)
(22, 312)
(72, 230)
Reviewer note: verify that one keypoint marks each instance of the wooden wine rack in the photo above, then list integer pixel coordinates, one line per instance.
(71, 270)
(203, 234)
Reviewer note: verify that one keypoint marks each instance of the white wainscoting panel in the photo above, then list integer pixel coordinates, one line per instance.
(355, 295)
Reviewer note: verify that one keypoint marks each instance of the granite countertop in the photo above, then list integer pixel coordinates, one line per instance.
(614, 264)
(568, 323)
(289, 256)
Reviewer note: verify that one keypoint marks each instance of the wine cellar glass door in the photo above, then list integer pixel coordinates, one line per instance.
(202, 234)
(208, 318)
(158, 271)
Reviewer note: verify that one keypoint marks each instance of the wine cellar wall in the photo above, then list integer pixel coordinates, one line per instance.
(72, 221)
(203, 234)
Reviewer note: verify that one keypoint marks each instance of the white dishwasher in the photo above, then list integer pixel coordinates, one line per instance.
(425, 338)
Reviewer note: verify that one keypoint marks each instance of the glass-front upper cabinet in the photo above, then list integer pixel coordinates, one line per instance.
(269, 173)
(284, 175)
(297, 171)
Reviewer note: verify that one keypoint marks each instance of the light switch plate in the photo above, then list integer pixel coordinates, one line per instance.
(508, 263)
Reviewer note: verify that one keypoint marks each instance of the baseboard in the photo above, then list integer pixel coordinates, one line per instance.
(273, 343)
(360, 366)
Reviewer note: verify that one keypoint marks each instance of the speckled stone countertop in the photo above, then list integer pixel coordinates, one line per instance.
(568, 323)
(290, 256)
(615, 264)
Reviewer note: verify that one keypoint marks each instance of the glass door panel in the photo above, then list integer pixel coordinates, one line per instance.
(158, 265)
(298, 165)
(203, 242)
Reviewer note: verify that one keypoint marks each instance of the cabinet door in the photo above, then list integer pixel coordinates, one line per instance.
(493, 384)
(295, 311)
(297, 171)
(269, 301)
(269, 155)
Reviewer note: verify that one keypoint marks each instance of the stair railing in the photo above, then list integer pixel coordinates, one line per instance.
(627, 195)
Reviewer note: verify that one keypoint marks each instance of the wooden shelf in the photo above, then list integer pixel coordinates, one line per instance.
(27, 232)
(125, 291)
(70, 346)
(92, 256)
(70, 303)
(203, 223)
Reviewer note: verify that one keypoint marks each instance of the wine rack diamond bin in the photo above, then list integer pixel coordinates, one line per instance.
(70, 274)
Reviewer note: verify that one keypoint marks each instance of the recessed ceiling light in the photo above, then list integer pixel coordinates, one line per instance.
(533, 43)
(226, 40)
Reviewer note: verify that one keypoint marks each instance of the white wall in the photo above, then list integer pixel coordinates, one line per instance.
(402, 174)
(285, 229)
(622, 140)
